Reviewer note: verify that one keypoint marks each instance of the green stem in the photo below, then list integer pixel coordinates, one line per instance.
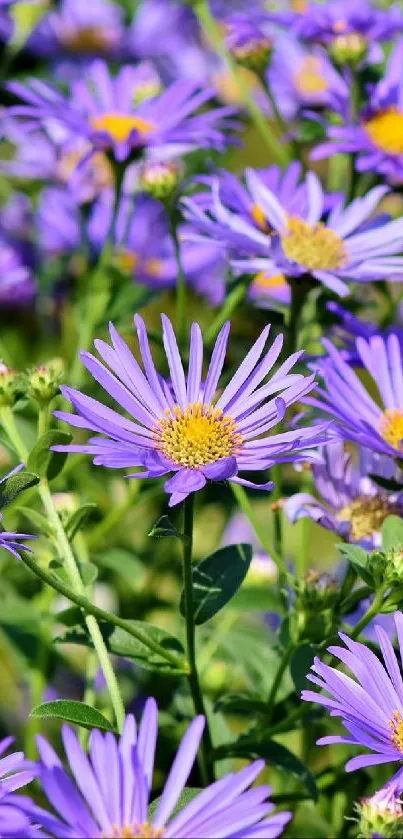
(369, 614)
(193, 677)
(279, 677)
(231, 302)
(43, 419)
(213, 34)
(247, 508)
(180, 283)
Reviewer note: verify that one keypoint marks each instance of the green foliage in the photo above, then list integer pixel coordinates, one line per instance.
(43, 461)
(216, 580)
(11, 487)
(71, 711)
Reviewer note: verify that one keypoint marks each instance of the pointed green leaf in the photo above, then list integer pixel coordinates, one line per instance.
(42, 460)
(12, 486)
(216, 580)
(358, 558)
(392, 533)
(301, 661)
(276, 755)
(74, 712)
(79, 519)
(164, 527)
(37, 519)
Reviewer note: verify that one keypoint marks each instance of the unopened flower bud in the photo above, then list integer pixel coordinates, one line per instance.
(349, 49)
(10, 386)
(248, 44)
(382, 814)
(43, 382)
(159, 179)
(315, 597)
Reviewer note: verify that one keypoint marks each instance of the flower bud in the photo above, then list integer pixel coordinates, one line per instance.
(10, 386)
(381, 814)
(349, 49)
(159, 179)
(43, 382)
(313, 617)
(248, 44)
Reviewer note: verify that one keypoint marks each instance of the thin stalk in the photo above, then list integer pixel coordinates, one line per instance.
(279, 677)
(371, 612)
(193, 676)
(213, 34)
(180, 283)
(43, 419)
(260, 531)
(231, 302)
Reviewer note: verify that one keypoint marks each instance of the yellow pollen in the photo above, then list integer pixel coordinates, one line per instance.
(263, 282)
(89, 39)
(396, 727)
(300, 6)
(386, 130)
(309, 78)
(391, 428)
(316, 248)
(197, 435)
(120, 126)
(366, 515)
(259, 217)
(134, 831)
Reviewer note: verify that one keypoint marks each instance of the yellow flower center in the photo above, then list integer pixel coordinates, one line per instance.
(391, 427)
(259, 217)
(135, 831)
(309, 78)
(366, 515)
(316, 248)
(263, 282)
(386, 130)
(197, 435)
(127, 261)
(396, 727)
(89, 39)
(120, 126)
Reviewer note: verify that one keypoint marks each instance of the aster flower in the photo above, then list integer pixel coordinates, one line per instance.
(294, 241)
(349, 502)
(249, 38)
(377, 139)
(370, 704)
(351, 327)
(355, 23)
(359, 417)
(184, 428)
(79, 30)
(107, 112)
(15, 772)
(17, 284)
(89, 805)
(302, 78)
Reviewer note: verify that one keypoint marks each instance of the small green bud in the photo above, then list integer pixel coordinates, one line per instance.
(254, 55)
(11, 387)
(381, 815)
(159, 179)
(314, 616)
(349, 49)
(43, 382)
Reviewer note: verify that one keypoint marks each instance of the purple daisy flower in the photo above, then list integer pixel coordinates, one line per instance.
(355, 22)
(370, 704)
(249, 37)
(360, 418)
(184, 428)
(15, 772)
(377, 139)
(17, 284)
(81, 30)
(351, 327)
(9, 540)
(295, 241)
(302, 78)
(110, 793)
(349, 502)
(103, 109)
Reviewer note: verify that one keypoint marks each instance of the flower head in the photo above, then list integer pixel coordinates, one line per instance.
(298, 240)
(15, 772)
(360, 418)
(107, 112)
(377, 139)
(182, 427)
(349, 502)
(370, 704)
(17, 284)
(89, 805)
(79, 30)
(382, 813)
(249, 39)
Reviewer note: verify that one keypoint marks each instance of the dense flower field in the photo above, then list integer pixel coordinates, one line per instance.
(201, 419)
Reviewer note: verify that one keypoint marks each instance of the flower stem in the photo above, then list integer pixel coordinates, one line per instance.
(247, 508)
(231, 302)
(213, 34)
(180, 281)
(206, 769)
(371, 612)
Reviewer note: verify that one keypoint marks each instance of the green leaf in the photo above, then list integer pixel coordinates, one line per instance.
(358, 558)
(79, 519)
(12, 486)
(37, 519)
(253, 598)
(164, 527)
(216, 580)
(188, 794)
(72, 711)
(392, 533)
(89, 573)
(240, 703)
(45, 463)
(126, 564)
(276, 755)
(301, 661)
(119, 642)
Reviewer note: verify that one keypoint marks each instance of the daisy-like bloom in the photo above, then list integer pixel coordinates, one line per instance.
(370, 704)
(183, 427)
(294, 241)
(377, 138)
(357, 25)
(351, 327)
(109, 792)
(360, 418)
(349, 502)
(80, 30)
(302, 77)
(15, 773)
(105, 110)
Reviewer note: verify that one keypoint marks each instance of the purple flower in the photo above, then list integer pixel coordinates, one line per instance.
(15, 772)
(370, 704)
(9, 540)
(382, 813)
(352, 327)
(105, 110)
(302, 78)
(17, 285)
(291, 239)
(349, 502)
(80, 30)
(110, 790)
(249, 38)
(377, 139)
(184, 428)
(360, 418)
